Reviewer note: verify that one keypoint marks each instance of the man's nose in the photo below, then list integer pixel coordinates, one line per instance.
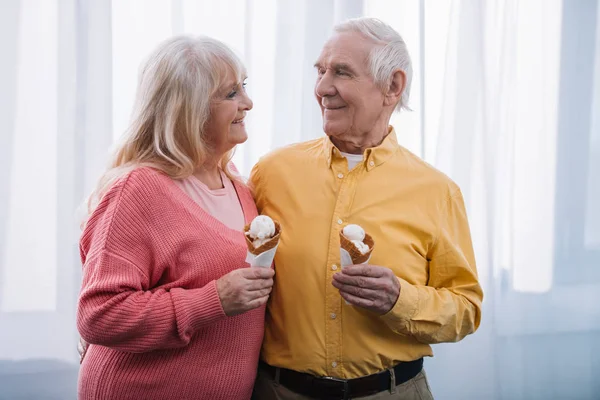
(325, 86)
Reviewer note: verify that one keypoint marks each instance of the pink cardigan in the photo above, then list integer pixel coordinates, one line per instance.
(149, 305)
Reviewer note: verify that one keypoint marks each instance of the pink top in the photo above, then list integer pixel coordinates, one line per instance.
(223, 204)
(149, 304)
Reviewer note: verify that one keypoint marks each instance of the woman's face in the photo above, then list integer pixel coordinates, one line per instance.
(225, 126)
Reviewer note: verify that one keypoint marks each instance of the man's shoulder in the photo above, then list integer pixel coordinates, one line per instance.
(293, 153)
(433, 177)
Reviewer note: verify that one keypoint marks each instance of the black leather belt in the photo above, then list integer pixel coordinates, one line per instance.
(327, 388)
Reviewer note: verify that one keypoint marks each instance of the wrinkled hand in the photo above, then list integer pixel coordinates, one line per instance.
(368, 286)
(245, 289)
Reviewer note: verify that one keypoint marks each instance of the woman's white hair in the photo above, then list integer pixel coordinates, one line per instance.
(172, 107)
(389, 54)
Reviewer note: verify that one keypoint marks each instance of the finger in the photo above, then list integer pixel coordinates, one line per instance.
(260, 301)
(264, 292)
(373, 271)
(259, 284)
(356, 301)
(255, 294)
(258, 273)
(363, 293)
(360, 281)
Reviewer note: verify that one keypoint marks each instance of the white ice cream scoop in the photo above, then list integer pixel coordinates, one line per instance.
(354, 232)
(259, 242)
(360, 246)
(261, 227)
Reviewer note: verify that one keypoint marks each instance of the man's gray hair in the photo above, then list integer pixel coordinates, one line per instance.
(390, 54)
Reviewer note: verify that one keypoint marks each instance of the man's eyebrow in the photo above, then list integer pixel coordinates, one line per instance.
(343, 66)
(337, 66)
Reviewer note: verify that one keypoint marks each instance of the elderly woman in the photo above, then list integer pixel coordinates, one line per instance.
(168, 305)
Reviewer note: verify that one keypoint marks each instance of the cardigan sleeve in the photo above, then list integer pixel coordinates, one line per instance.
(118, 306)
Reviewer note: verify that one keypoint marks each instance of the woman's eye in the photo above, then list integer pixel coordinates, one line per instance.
(234, 93)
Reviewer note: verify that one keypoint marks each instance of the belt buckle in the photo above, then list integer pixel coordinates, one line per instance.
(339, 380)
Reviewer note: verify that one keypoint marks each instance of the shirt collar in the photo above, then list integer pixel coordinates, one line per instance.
(372, 157)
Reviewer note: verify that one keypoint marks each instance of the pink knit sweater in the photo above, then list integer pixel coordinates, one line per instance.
(149, 304)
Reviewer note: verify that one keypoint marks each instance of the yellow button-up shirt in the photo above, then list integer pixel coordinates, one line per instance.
(417, 218)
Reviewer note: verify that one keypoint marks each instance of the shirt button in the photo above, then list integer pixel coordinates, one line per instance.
(332, 315)
(371, 163)
(340, 222)
(340, 176)
(334, 267)
(334, 364)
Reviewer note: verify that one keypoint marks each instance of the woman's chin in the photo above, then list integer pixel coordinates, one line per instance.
(241, 139)
(237, 139)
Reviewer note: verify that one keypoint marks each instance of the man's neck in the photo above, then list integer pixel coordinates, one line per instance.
(360, 144)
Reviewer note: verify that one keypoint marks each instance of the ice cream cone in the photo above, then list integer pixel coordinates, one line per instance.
(355, 254)
(268, 245)
(263, 255)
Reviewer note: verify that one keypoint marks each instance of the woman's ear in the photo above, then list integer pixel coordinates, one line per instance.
(395, 88)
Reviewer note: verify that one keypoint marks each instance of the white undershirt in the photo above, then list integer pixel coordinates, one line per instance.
(353, 159)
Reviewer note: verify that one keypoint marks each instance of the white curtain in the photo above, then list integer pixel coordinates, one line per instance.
(518, 130)
(506, 100)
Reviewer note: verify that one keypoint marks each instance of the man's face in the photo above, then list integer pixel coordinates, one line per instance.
(350, 101)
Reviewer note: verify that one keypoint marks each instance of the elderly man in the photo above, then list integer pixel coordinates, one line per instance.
(362, 331)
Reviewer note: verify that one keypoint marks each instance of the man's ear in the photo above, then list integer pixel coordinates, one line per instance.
(395, 88)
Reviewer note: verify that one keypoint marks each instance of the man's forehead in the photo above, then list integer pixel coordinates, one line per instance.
(347, 48)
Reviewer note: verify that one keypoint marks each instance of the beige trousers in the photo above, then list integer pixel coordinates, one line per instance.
(415, 389)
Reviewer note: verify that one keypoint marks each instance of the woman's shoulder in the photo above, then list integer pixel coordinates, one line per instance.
(240, 181)
(140, 184)
(142, 177)
(129, 206)
(235, 174)
(241, 184)
(135, 192)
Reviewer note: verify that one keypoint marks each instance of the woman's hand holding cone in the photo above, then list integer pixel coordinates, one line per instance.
(245, 289)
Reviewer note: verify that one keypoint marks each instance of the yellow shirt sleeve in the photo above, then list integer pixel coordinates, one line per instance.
(449, 307)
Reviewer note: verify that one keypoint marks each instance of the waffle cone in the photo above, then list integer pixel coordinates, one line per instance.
(357, 256)
(271, 243)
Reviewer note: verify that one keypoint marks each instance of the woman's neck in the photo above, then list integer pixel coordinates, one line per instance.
(210, 175)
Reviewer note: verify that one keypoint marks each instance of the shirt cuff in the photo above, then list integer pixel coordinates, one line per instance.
(399, 317)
